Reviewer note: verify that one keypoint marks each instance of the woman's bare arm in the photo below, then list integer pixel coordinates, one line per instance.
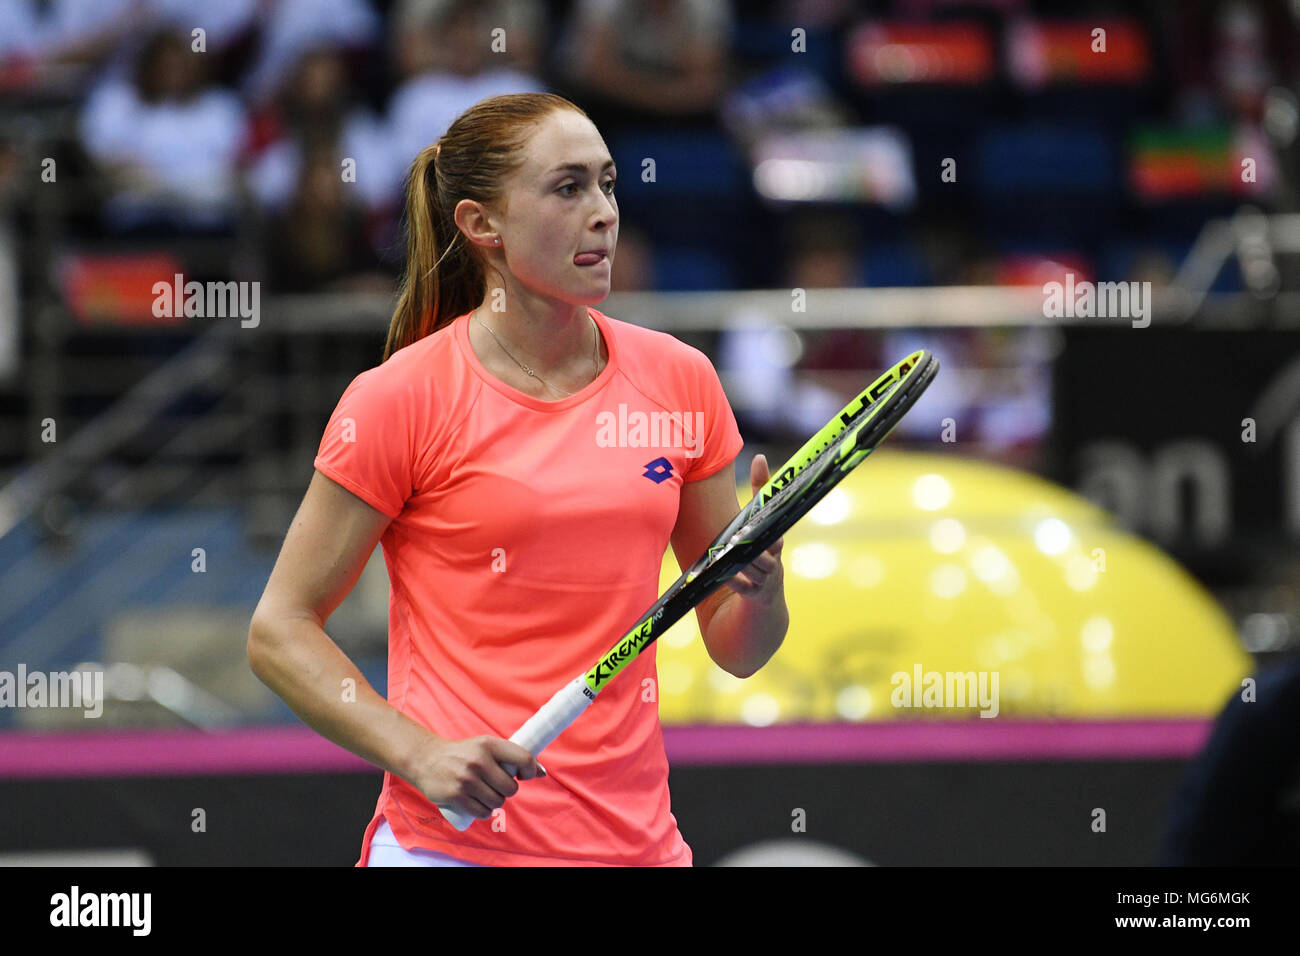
(744, 623)
(328, 544)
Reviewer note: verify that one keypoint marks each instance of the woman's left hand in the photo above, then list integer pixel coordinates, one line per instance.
(763, 579)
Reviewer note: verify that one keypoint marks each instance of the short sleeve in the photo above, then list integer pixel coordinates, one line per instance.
(367, 444)
(722, 441)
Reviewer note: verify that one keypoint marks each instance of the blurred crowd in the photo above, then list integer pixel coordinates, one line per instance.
(303, 115)
(290, 124)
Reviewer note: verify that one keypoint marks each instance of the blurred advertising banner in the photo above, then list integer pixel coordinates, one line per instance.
(935, 793)
(1190, 437)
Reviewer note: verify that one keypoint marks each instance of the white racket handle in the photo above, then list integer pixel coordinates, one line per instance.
(537, 732)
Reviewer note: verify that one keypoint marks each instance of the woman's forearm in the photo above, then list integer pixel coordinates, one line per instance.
(745, 632)
(296, 659)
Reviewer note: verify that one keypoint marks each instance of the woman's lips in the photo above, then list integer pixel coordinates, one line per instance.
(589, 258)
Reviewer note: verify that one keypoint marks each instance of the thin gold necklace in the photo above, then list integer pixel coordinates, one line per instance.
(595, 356)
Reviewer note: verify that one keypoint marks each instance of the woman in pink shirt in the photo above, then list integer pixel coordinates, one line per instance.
(525, 461)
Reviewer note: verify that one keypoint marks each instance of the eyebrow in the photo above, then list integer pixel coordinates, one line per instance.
(577, 168)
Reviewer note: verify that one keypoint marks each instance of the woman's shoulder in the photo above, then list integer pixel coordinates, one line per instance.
(653, 345)
(662, 366)
(426, 361)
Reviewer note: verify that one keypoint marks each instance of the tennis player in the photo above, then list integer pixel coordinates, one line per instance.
(525, 461)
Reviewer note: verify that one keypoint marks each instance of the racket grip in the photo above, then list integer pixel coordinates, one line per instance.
(538, 732)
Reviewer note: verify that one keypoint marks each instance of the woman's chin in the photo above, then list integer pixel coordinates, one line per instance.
(591, 296)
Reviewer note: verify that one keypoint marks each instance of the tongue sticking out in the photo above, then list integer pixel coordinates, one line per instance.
(587, 258)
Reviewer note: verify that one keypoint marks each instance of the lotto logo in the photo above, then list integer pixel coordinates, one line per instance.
(661, 469)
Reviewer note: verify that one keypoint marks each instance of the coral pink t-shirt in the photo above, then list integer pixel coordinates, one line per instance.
(527, 537)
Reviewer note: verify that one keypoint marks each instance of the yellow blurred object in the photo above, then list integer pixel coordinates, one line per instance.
(921, 563)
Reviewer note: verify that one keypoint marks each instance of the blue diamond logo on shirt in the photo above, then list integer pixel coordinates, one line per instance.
(661, 469)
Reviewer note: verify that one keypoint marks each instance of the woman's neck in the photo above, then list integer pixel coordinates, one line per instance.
(547, 341)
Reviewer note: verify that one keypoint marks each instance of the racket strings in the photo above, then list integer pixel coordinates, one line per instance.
(858, 436)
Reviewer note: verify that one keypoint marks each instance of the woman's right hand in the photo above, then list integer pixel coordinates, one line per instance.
(467, 775)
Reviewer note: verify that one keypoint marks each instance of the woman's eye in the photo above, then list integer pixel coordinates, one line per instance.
(609, 187)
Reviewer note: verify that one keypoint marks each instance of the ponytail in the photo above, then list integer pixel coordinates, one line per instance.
(417, 313)
(445, 276)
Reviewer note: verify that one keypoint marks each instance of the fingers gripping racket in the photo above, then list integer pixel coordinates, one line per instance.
(838, 448)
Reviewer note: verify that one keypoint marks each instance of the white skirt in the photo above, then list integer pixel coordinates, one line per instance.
(386, 851)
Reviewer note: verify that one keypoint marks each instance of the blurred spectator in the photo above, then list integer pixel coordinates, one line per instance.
(645, 61)
(823, 250)
(771, 370)
(756, 359)
(319, 243)
(59, 46)
(783, 98)
(454, 40)
(997, 390)
(291, 26)
(418, 48)
(1229, 71)
(167, 142)
(229, 29)
(222, 23)
(54, 45)
(1244, 75)
(1242, 69)
(11, 166)
(316, 102)
(1239, 804)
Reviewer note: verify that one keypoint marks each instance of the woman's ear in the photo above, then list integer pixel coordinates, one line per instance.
(472, 219)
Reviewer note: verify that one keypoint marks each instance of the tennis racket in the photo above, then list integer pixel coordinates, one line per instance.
(823, 461)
